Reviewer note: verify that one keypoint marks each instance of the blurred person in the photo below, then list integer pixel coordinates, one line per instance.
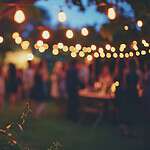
(12, 84)
(73, 84)
(28, 78)
(2, 88)
(38, 93)
(130, 108)
(55, 81)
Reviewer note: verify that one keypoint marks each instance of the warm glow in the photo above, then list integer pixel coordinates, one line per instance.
(40, 43)
(108, 55)
(100, 50)
(73, 54)
(137, 53)
(69, 34)
(62, 16)
(143, 52)
(78, 47)
(81, 54)
(15, 35)
(89, 58)
(46, 46)
(25, 45)
(93, 47)
(18, 40)
(111, 13)
(126, 55)
(102, 55)
(121, 55)
(108, 47)
(115, 55)
(45, 35)
(113, 49)
(96, 54)
(42, 49)
(140, 23)
(84, 31)
(131, 54)
(60, 45)
(55, 51)
(126, 28)
(65, 48)
(19, 16)
(1, 39)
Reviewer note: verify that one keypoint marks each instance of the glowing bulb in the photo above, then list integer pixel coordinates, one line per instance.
(121, 55)
(100, 50)
(102, 55)
(46, 46)
(69, 34)
(89, 58)
(19, 16)
(126, 28)
(40, 43)
(117, 83)
(30, 57)
(131, 54)
(55, 52)
(108, 55)
(113, 49)
(140, 23)
(42, 49)
(65, 48)
(108, 47)
(15, 35)
(72, 48)
(45, 35)
(1, 39)
(81, 54)
(18, 40)
(93, 47)
(60, 45)
(36, 46)
(111, 13)
(126, 55)
(143, 52)
(25, 45)
(84, 31)
(78, 46)
(55, 46)
(137, 53)
(73, 54)
(96, 54)
(62, 16)
(115, 55)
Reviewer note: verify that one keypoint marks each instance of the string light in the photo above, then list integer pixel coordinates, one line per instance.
(39, 43)
(81, 54)
(115, 55)
(18, 40)
(19, 16)
(126, 28)
(143, 52)
(102, 55)
(42, 49)
(113, 49)
(108, 47)
(84, 31)
(25, 45)
(1, 39)
(73, 54)
(69, 34)
(137, 53)
(55, 52)
(96, 54)
(78, 46)
(89, 58)
(100, 50)
(121, 55)
(131, 54)
(111, 13)
(46, 46)
(108, 55)
(15, 35)
(62, 16)
(126, 55)
(93, 47)
(45, 34)
(30, 57)
(140, 23)
(60, 45)
(65, 48)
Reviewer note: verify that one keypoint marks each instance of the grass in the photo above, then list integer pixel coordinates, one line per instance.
(39, 133)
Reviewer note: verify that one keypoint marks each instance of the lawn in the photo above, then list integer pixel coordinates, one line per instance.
(39, 133)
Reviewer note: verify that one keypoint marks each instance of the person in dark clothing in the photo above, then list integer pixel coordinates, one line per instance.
(38, 93)
(12, 84)
(130, 109)
(72, 82)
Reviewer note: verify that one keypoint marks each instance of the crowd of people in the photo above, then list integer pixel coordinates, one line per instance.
(37, 83)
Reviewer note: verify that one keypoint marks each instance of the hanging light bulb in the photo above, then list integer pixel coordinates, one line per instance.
(111, 13)
(19, 16)
(69, 34)
(140, 23)
(45, 34)
(84, 31)
(1, 39)
(62, 16)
